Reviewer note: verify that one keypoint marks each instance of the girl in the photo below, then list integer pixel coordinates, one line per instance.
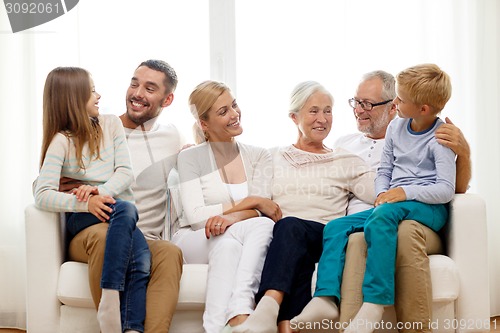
(81, 144)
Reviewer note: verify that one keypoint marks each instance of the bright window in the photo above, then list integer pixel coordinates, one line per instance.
(281, 43)
(111, 39)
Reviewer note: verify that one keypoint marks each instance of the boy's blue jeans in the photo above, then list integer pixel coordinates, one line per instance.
(380, 225)
(127, 259)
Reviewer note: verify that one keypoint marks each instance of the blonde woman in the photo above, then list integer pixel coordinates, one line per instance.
(228, 213)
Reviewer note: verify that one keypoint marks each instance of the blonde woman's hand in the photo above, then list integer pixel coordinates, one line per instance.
(98, 206)
(396, 194)
(270, 209)
(217, 225)
(84, 192)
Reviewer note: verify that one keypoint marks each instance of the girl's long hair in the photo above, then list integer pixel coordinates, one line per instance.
(65, 96)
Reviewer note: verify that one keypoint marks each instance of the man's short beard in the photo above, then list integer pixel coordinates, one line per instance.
(365, 129)
(376, 127)
(139, 120)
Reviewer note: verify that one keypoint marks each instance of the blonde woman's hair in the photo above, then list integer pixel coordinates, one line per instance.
(65, 96)
(200, 101)
(426, 84)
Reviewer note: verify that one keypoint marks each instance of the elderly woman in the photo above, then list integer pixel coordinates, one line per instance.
(225, 193)
(312, 184)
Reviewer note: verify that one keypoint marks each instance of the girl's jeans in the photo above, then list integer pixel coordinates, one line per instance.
(127, 259)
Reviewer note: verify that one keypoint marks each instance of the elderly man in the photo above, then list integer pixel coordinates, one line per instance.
(373, 110)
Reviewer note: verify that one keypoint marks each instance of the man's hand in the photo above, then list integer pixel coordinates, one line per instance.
(452, 137)
(396, 194)
(99, 208)
(186, 146)
(67, 184)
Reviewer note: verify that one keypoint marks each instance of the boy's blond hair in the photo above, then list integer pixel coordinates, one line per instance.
(426, 84)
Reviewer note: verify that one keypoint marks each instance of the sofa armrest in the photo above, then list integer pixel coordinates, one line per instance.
(468, 247)
(44, 256)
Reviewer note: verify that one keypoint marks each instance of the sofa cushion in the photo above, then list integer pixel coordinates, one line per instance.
(444, 277)
(74, 290)
(193, 287)
(73, 285)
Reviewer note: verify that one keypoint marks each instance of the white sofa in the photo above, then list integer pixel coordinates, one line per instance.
(59, 300)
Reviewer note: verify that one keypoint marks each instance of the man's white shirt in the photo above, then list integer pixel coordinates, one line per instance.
(370, 150)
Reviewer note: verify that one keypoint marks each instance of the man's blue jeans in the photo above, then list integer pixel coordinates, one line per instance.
(127, 260)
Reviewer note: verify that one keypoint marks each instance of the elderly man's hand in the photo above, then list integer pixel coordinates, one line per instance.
(452, 137)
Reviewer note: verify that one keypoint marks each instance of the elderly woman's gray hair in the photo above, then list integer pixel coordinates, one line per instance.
(301, 94)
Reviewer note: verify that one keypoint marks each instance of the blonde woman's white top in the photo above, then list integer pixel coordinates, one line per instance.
(203, 191)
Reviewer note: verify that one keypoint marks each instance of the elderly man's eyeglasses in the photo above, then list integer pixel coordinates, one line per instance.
(367, 106)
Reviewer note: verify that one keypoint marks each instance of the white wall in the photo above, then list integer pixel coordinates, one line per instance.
(486, 109)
